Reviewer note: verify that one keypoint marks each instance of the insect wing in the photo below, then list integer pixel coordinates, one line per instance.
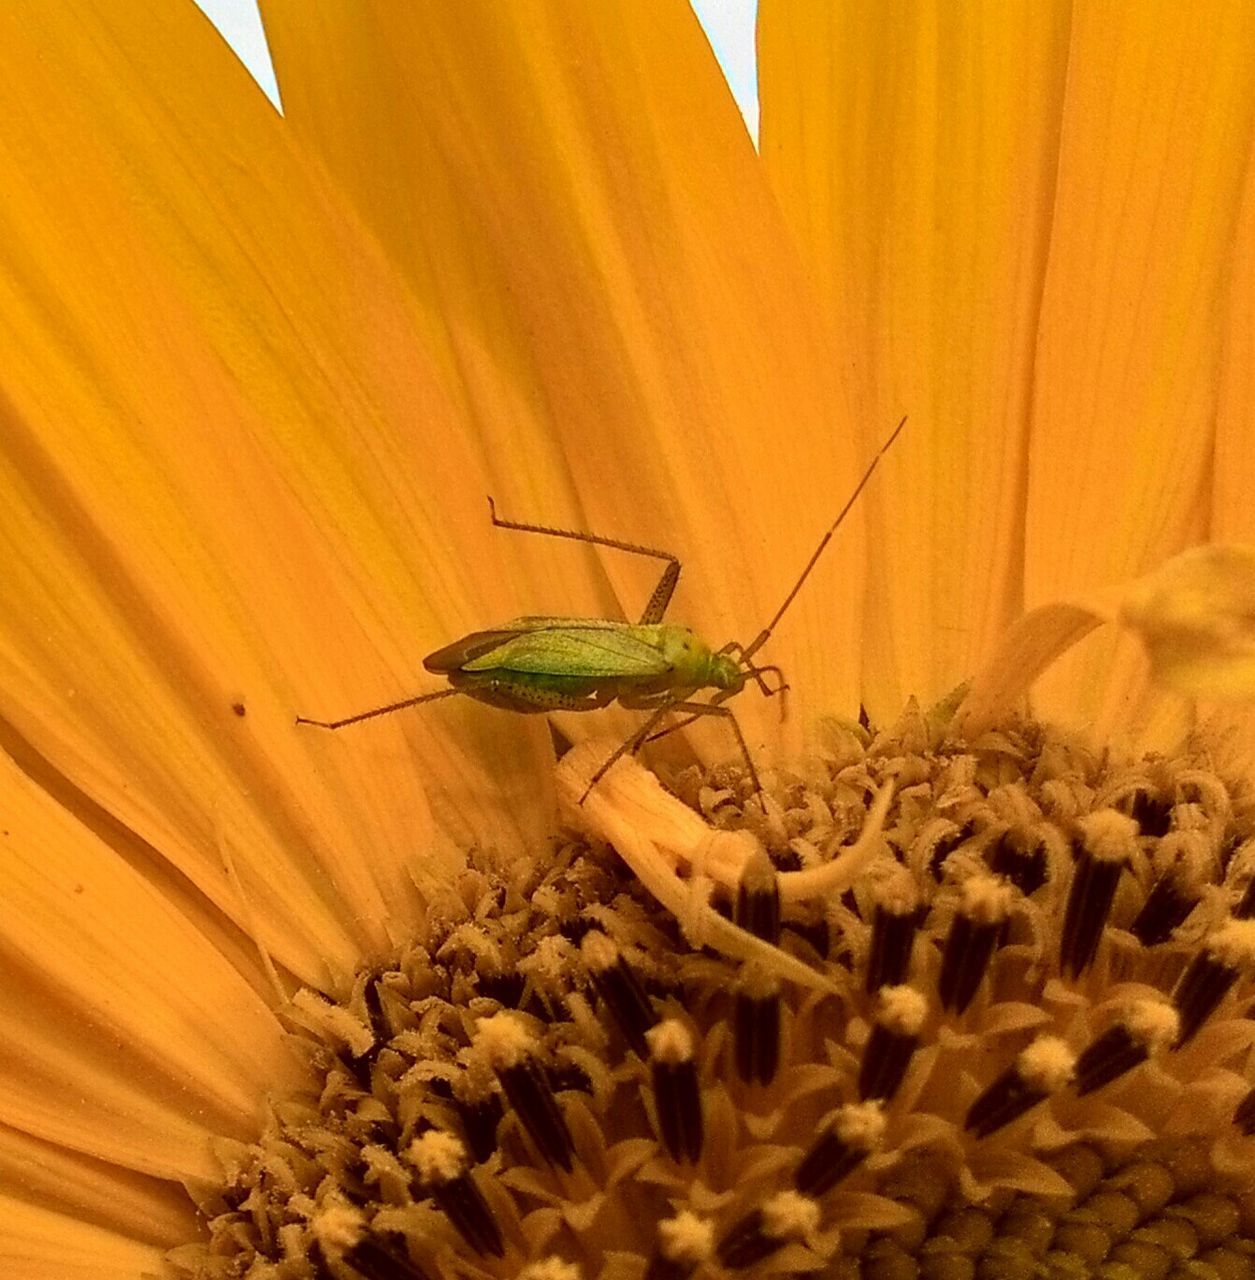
(563, 648)
(455, 656)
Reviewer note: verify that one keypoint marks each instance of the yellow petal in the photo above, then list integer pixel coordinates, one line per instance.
(1155, 145)
(123, 1033)
(913, 151)
(230, 473)
(1196, 617)
(1233, 472)
(89, 1191)
(38, 1244)
(572, 185)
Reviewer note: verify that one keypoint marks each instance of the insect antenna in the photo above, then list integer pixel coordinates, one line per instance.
(761, 638)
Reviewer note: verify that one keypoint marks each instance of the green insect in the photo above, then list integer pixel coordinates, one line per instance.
(540, 664)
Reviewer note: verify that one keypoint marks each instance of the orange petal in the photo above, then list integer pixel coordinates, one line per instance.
(571, 185)
(1194, 616)
(146, 1209)
(232, 476)
(1155, 144)
(124, 1034)
(1233, 472)
(913, 150)
(39, 1244)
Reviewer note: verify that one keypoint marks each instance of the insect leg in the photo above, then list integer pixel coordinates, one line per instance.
(755, 673)
(628, 745)
(378, 711)
(699, 709)
(662, 593)
(696, 710)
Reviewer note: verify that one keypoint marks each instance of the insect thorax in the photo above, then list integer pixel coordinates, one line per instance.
(726, 672)
(692, 662)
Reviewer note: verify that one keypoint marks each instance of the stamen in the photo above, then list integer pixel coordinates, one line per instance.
(856, 1129)
(943, 844)
(900, 1015)
(758, 898)
(444, 1175)
(1229, 950)
(620, 988)
(1152, 812)
(505, 1041)
(756, 1016)
(756, 1027)
(340, 1234)
(1145, 1027)
(1107, 842)
(984, 905)
(1020, 858)
(1167, 904)
(1245, 908)
(786, 1216)
(1046, 1066)
(480, 1118)
(1244, 1116)
(375, 1261)
(684, 1243)
(551, 1268)
(895, 920)
(677, 1096)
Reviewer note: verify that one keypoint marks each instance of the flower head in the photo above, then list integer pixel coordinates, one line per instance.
(956, 992)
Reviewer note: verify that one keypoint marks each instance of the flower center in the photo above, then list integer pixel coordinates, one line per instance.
(1030, 1056)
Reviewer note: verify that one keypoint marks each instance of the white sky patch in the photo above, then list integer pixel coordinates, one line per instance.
(729, 26)
(240, 24)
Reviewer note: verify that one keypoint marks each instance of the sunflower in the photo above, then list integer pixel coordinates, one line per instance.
(944, 977)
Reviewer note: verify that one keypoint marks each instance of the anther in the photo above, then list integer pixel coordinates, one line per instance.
(480, 1117)
(984, 905)
(900, 1014)
(756, 1027)
(1021, 859)
(1152, 812)
(551, 1268)
(855, 1131)
(373, 1260)
(1167, 904)
(684, 1243)
(1205, 983)
(444, 1174)
(1244, 1116)
(341, 1235)
(620, 988)
(1245, 908)
(786, 1216)
(895, 920)
(945, 843)
(510, 1049)
(677, 1096)
(758, 899)
(1108, 839)
(1145, 1027)
(1044, 1067)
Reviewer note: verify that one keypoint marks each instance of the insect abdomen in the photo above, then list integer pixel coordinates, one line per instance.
(529, 693)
